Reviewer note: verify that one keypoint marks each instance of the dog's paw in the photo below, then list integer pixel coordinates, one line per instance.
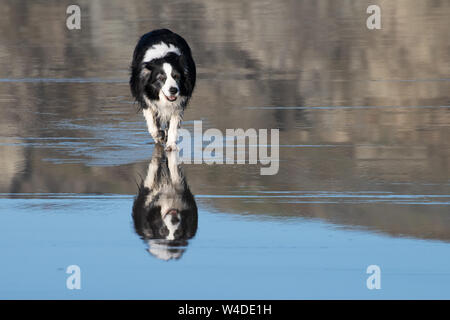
(171, 147)
(160, 137)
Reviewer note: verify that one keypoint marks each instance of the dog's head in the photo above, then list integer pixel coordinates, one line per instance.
(176, 224)
(166, 78)
(166, 231)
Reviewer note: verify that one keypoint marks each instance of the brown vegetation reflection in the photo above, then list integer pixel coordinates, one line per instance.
(358, 110)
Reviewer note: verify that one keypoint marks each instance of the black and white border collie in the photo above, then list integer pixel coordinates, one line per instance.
(162, 81)
(164, 211)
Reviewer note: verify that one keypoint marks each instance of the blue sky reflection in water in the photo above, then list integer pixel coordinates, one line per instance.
(232, 256)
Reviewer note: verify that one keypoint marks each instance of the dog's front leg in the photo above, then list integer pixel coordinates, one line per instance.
(151, 180)
(153, 126)
(153, 167)
(172, 133)
(172, 163)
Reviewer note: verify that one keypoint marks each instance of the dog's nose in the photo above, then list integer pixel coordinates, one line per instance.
(173, 90)
(175, 220)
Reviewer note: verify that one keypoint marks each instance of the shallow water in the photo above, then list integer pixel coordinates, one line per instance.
(364, 169)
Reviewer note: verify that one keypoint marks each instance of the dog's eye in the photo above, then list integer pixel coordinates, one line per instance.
(176, 76)
(161, 77)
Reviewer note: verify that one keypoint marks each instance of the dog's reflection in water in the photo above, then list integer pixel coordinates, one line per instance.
(164, 211)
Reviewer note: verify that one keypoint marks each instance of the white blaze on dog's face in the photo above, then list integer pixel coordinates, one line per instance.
(171, 207)
(170, 89)
(172, 220)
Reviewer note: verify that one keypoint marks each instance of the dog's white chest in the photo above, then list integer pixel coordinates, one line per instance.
(164, 109)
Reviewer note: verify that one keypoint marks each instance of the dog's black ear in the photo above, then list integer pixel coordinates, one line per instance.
(139, 77)
(140, 214)
(146, 70)
(147, 233)
(190, 215)
(189, 71)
